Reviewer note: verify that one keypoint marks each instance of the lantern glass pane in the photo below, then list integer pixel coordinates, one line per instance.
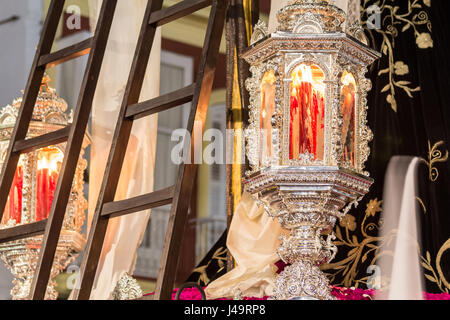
(49, 161)
(13, 208)
(348, 109)
(268, 89)
(307, 112)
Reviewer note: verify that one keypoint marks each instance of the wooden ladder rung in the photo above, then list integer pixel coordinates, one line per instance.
(161, 103)
(45, 140)
(180, 194)
(148, 201)
(177, 11)
(22, 231)
(66, 54)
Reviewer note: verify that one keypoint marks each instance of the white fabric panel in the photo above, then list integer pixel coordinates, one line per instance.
(124, 234)
(399, 261)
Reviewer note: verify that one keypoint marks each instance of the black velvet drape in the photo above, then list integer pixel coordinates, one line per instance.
(409, 114)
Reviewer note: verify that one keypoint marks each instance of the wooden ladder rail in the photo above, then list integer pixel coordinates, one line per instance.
(73, 134)
(179, 194)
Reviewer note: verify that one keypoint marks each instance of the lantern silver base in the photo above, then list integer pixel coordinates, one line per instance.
(307, 201)
(21, 256)
(302, 281)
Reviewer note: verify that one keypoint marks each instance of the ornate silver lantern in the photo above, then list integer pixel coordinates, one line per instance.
(32, 193)
(308, 137)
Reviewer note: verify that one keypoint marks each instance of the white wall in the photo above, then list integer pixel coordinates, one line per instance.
(5, 282)
(18, 40)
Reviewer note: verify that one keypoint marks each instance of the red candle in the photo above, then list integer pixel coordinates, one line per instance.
(47, 177)
(315, 111)
(41, 197)
(13, 209)
(307, 115)
(52, 187)
(293, 128)
(305, 133)
(18, 194)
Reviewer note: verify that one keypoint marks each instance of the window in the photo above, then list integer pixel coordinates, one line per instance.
(176, 73)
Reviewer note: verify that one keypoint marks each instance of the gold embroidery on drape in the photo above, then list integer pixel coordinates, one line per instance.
(436, 277)
(445, 247)
(434, 155)
(360, 249)
(422, 204)
(414, 19)
(430, 274)
(221, 258)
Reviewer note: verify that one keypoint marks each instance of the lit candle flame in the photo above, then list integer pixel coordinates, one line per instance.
(51, 164)
(348, 79)
(304, 74)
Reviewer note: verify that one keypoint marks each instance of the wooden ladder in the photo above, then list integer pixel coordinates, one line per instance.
(73, 135)
(178, 195)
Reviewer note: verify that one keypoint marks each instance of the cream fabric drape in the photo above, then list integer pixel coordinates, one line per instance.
(124, 234)
(252, 240)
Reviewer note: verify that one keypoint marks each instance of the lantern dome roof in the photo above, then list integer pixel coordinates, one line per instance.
(311, 16)
(49, 107)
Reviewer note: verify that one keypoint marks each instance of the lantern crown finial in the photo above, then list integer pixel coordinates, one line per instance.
(49, 108)
(45, 83)
(311, 16)
(308, 1)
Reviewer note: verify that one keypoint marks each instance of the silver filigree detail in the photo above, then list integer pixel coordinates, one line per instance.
(238, 294)
(302, 279)
(260, 32)
(309, 16)
(282, 53)
(127, 288)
